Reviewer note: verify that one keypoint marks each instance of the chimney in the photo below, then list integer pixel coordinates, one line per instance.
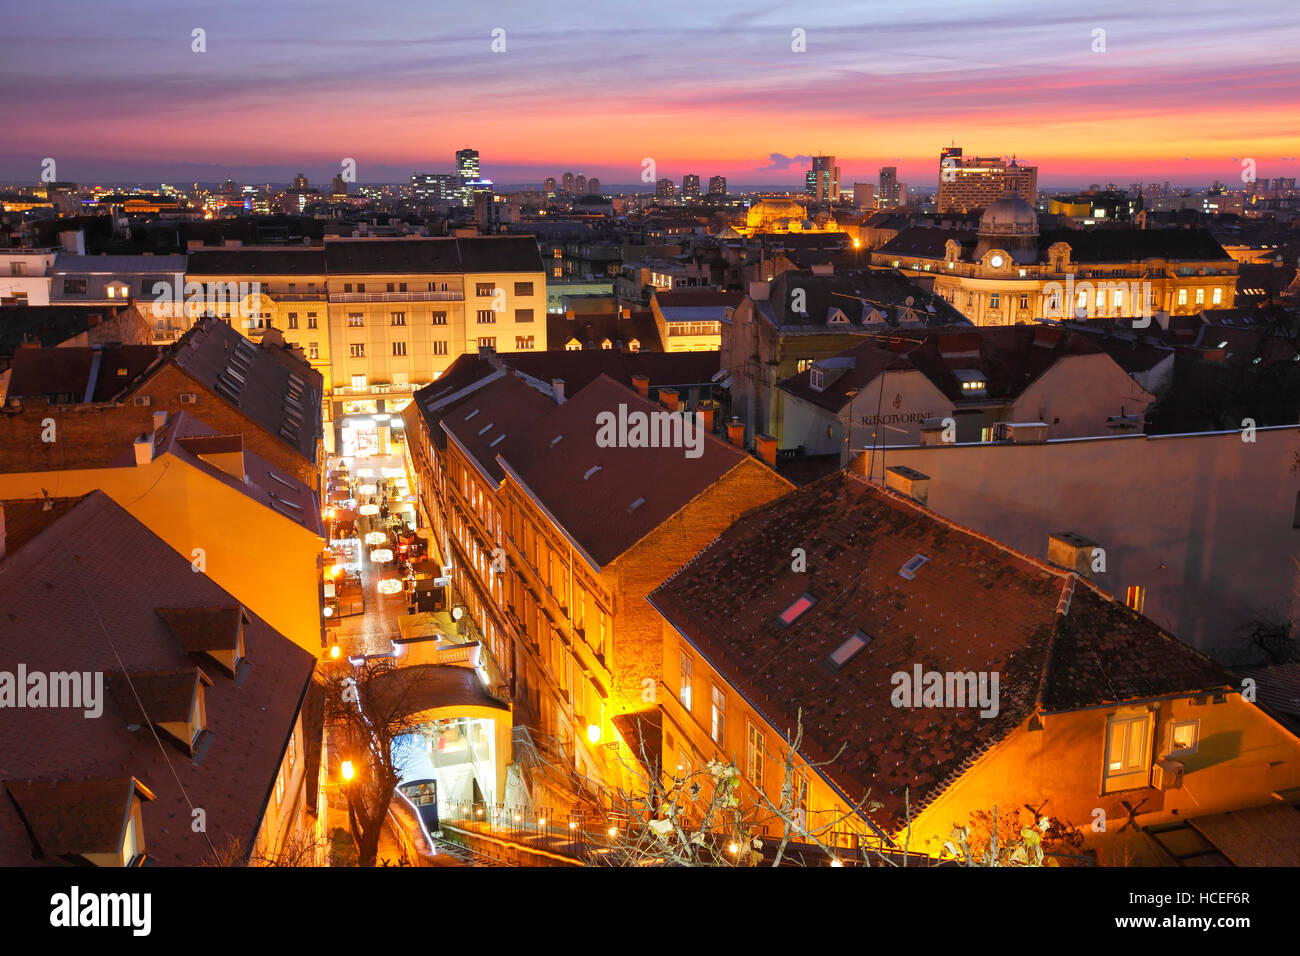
(736, 433)
(908, 481)
(159, 420)
(570, 314)
(624, 312)
(932, 431)
(143, 449)
(765, 446)
(759, 291)
(1072, 551)
(557, 390)
(642, 384)
(707, 409)
(668, 396)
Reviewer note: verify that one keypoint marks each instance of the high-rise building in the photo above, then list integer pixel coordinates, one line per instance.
(467, 163)
(435, 187)
(718, 185)
(340, 185)
(864, 195)
(690, 186)
(888, 197)
(299, 182)
(664, 189)
(976, 182)
(593, 186)
(549, 186)
(823, 180)
(566, 183)
(579, 184)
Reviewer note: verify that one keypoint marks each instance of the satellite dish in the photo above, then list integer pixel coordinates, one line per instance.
(908, 301)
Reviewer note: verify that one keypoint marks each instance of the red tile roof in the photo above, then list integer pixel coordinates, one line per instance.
(82, 596)
(70, 819)
(1056, 642)
(50, 371)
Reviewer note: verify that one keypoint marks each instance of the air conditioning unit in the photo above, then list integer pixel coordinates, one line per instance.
(188, 398)
(1167, 775)
(143, 400)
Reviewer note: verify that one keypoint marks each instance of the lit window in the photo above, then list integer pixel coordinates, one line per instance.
(358, 381)
(293, 748)
(1127, 756)
(684, 688)
(1182, 296)
(995, 300)
(1200, 296)
(754, 756)
(356, 320)
(1183, 737)
(357, 350)
(718, 725)
(792, 613)
(1218, 296)
(1136, 598)
(279, 786)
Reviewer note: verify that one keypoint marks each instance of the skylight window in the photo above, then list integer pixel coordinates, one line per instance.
(591, 471)
(634, 505)
(912, 566)
(556, 440)
(847, 651)
(795, 610)
(471, 414)
(498, 440)
(486, 427)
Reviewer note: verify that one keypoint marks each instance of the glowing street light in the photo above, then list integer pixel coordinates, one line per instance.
(375, 537)
(334, 652)
(381, 555)
(733, 848)
(836, 861)
(593, 733)
(347, 770)
(368, 510)
(389, 586)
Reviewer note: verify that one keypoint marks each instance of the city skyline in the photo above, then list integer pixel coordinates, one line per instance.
(1178, 94)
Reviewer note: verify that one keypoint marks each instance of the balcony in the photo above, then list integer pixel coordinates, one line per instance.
(450, 296)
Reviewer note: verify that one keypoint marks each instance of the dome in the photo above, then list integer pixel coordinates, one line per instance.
(1009, 216)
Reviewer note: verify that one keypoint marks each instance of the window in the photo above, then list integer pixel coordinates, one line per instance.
(356, 320)
(440, 318)
(684, 685)
(313, 350)
(1127, 752)
(293, 320)
(390, 288)
(487, 343)
(719, 724)
(802, 365)
(358, 381)
(1117, 298)
(399, 348)
(361, 287)
(523, 288)
(557, 273)
(484, 289)
(1218, 296)
(293, 748)
(1183, 737)
(523, 342)
(347, 287)
(398, 318)
(74, 286)
(357, 349)
(523, 315)
(754, 756)
(279, 786)
(486, 317)
(1200, 296)
(1136, 598)
(995, 300)
(311, 320)
(439, 348)
(970, 299)
(1182, 296)
(20, 269)
(1024, 300)
(792, 613)
(133, 840)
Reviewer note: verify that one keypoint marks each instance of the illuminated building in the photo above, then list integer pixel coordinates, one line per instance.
(690, 186)
(967, 183)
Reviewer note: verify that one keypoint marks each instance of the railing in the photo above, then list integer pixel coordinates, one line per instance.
(448, 296)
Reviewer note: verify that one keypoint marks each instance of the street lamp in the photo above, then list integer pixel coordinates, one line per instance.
(346, 770)
(593, 733)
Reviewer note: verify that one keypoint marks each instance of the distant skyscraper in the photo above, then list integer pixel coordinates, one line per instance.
(567, 182)
(299, 182)
(467, 163)
(593, 186)
(976, 182)
(825, 179)
(435, 187)
(888, 186)
(864, 195)
(690, 186)
(579, 184)
(340, 185)
(664, 189)
(718, 185)
(549, 186)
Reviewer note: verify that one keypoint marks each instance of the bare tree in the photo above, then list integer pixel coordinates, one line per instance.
(368, 710)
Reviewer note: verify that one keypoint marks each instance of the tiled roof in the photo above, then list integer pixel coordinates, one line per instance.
(414, 256)
(204, 628)
(927, 243)
(1129, 245)
(50, 371)
(165, 696)
(490, 419)
(48, 325)
(975, 605)
(690, 299)
(592, 328)
(81, 597)
(69, 819)
(209, 350)
(593, 492)
(67, 264)
(276, 261)
(25, 519)
(866, 297)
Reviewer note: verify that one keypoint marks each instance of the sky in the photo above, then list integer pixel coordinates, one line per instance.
(115, 91)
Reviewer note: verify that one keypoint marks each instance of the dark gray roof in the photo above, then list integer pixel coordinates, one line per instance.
(277, 262)
(857, 295)
(481, 254)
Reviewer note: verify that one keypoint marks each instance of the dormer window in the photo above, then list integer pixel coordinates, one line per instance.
(96, 822)
(973, 382)
(815, 379)
(169, 701)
